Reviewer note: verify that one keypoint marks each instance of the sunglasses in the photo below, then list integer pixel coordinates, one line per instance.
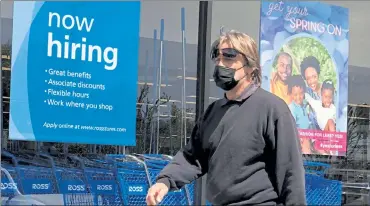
(228, 53)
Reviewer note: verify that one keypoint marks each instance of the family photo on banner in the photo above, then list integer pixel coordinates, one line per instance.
(304, 56)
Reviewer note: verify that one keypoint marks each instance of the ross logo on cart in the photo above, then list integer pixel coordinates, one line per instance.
(40, 186)
(8, 186)
(104, 187)
(76, 187)
(136, 189)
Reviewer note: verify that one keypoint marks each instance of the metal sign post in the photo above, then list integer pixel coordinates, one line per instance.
(203, 64)
(1, 87)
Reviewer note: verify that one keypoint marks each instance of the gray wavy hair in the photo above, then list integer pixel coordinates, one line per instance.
(245, 45)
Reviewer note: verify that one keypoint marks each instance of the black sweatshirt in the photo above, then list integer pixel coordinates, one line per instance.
(249, 150)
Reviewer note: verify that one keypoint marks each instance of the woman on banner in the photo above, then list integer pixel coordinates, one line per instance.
(321, 99)
(310, 71)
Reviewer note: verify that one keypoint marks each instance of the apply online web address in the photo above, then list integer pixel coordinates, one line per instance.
(103, 129)
(83, 127)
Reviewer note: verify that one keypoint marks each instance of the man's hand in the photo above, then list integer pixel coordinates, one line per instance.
(156, 194)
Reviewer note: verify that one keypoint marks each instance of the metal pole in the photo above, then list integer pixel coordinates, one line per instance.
(160, 82)
(1, 88)
(165, 66)
(145, 105)
(368, 197)
(183, 84)
(94, 149)
(154, 88)
(182, 119)
(170, 131)
(65, 148)
(184, 70)
(203, 63)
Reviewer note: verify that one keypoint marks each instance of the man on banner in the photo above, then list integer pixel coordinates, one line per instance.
(278, 84)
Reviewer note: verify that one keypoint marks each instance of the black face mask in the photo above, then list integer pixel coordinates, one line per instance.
(224, 77)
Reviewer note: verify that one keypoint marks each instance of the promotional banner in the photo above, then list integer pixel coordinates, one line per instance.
(74, 72)
(304, 60)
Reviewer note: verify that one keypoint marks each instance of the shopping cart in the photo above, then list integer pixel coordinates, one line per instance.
(12, 179)
(35, 173)
(71, 180)
(316, 168)
(155, 164)
(319, 190)
(190, 187)
(154, 160)
(102, 180)
(10, 184)
(133, 178)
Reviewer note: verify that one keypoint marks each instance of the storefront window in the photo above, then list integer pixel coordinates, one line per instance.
(177, 109)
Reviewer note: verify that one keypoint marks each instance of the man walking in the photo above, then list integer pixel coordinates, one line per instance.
(247, 142)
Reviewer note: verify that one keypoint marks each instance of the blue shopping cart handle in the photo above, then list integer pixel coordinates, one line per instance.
(116, 155)
(9, 155)
(309, 163)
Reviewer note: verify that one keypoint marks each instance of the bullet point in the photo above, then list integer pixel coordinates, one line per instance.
(45, 91)
(45, 101)
(46, 70)
(46, 81)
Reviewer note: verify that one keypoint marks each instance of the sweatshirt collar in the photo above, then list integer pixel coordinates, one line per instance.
(251, 89)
